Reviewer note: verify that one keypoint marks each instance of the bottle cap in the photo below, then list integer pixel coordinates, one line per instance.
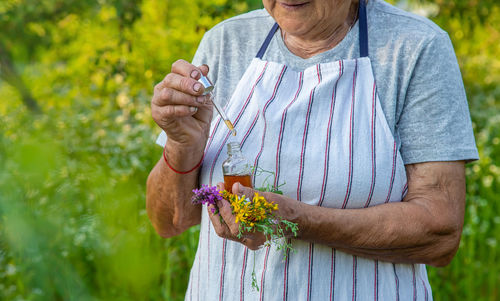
(207, 84)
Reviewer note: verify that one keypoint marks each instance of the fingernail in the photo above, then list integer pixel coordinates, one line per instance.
(197, 87)
(193, 109)
(194, 73)
(200, 99)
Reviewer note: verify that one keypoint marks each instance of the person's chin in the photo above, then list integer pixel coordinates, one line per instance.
(292, 26)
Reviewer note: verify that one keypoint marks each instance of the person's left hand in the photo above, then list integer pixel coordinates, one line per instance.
(224, 221)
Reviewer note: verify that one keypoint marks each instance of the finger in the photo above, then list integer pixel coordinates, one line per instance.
(186, 69)
(165, 112)
(204, 113)
(221, 186)
(220, 228)
(227, 215)
(216, 218)
(169, 96)
(253, 240)
(204, 69)
(240, 190)
(184, 84)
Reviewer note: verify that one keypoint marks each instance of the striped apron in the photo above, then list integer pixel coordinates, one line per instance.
(323, 132)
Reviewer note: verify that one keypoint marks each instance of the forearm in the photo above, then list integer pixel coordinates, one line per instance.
(168, 193)
(396, 232)
(424, 228)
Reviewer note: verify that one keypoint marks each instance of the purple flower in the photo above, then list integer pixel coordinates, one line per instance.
(206, 195)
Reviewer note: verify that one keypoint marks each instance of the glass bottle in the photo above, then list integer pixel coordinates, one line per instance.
(236, 167)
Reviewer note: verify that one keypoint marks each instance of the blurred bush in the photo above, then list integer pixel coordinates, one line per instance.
(76, 146)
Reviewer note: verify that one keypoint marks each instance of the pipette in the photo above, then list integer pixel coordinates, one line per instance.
(209, 87)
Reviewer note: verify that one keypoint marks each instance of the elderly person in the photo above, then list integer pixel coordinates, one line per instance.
(360, 110)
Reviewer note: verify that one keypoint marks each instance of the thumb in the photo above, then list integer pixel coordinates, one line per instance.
(243, 190)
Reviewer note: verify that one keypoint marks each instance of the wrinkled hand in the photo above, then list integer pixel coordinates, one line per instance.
(178, 106)
(225, 226)
(224, 221)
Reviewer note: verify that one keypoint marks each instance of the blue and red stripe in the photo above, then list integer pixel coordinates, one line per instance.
(414, 283)
(332, 273)
(354, 277)
(425, 290)
(282, 129)
(397, 281)
(393, 173)
(263, 274)
(304, 136)
(252, 126)
(351, 140)
(373, 146)
(243, 270)
(277, 173)
(245, 255)
(326, 164)
(266, 105)
(301, 172)
(285, 277)
(405, 191)
(310, 274)
(376, 281)
(223, 268)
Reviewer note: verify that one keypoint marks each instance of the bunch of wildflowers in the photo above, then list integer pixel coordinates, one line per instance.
(256, 214)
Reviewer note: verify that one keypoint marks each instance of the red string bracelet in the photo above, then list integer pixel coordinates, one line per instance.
(181, 172)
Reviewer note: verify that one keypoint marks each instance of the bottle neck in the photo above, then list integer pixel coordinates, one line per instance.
(234, 149)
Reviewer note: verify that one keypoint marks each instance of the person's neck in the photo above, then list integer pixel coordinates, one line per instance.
(322, 39)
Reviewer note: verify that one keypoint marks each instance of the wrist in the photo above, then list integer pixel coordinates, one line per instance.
(182, 159)
(291, 212)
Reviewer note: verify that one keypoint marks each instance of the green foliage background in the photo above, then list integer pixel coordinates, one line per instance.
(76, 145)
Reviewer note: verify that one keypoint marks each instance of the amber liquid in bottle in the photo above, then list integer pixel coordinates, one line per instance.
(229, 180)
(236, 167)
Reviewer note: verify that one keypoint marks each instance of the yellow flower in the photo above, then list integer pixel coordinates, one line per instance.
(247, 211)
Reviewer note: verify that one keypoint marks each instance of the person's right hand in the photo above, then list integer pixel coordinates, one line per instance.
(178, 106)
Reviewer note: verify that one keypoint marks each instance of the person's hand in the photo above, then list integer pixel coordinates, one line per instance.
(225, 226)
(178, 106)
(224, 221)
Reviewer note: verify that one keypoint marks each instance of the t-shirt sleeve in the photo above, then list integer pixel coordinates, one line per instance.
(435, 122)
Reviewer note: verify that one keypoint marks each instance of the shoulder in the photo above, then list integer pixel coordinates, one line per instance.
(400, 39)
(394, 25)
(401, 21)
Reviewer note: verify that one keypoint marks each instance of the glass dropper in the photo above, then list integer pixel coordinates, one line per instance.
(209, 87)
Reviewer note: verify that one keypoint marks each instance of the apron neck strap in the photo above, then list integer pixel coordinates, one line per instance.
(266, 42)
(363, 33)
(363, 29)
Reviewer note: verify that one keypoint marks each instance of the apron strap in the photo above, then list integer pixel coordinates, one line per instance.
(270, 35)
(363, 33)
(363, 29)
